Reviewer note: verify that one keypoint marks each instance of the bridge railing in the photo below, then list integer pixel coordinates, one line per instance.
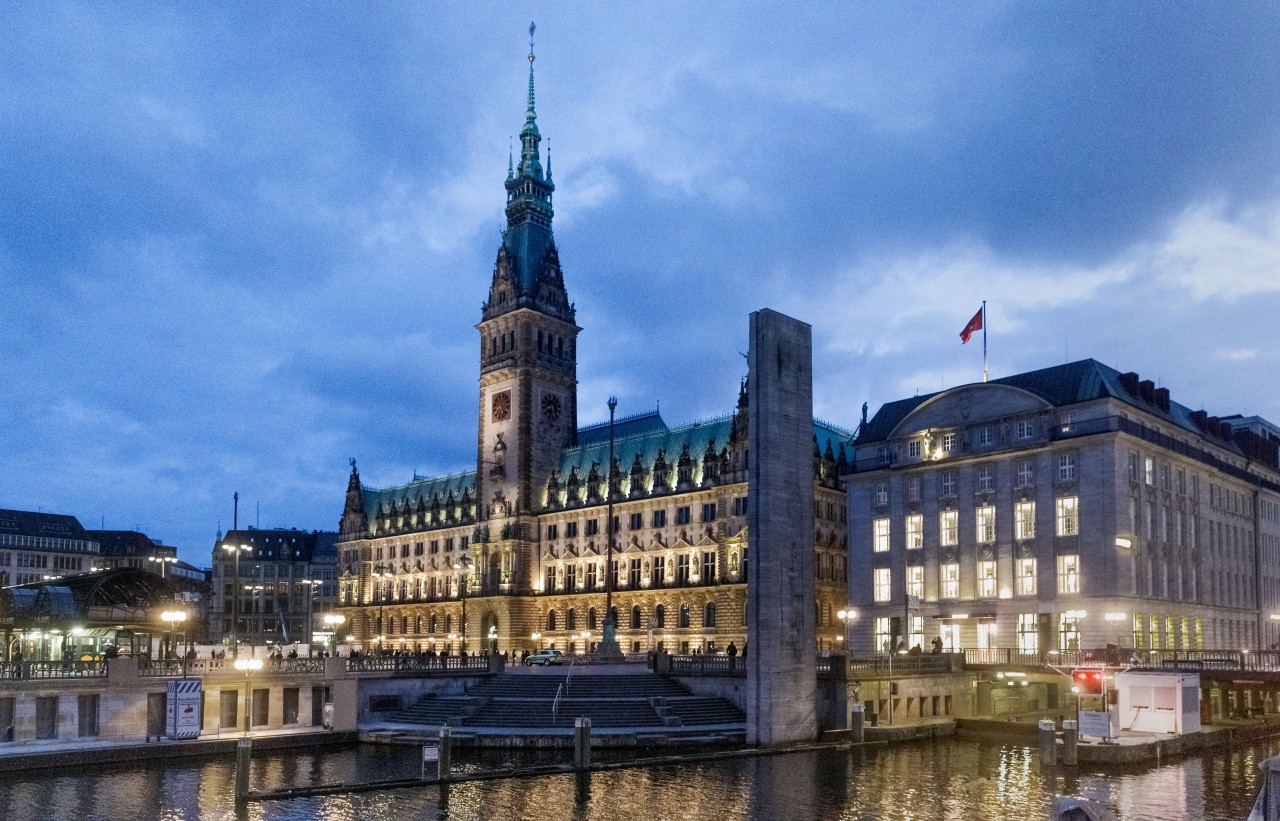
(417, 664)
(708, 665)
(50, 670)
(905, 664)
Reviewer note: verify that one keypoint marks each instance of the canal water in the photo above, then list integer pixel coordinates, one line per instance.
(943, 780)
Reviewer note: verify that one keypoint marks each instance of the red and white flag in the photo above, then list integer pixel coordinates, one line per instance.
(975, 324)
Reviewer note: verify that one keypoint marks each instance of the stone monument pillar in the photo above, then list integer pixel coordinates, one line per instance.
(781, 640)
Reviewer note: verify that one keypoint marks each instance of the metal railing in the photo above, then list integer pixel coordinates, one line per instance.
(708, 665)
(905, 664)
(417, 664)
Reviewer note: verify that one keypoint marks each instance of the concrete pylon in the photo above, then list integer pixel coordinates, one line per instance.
(781, 639)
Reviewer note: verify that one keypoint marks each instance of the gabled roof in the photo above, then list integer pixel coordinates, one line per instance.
(49, 525)
(640, 424)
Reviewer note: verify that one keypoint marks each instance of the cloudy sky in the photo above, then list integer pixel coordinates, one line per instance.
(242, 242)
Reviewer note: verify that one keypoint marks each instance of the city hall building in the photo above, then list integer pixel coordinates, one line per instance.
(1066, 508)
(520, 544)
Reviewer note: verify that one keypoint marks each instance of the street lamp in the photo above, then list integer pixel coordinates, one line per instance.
(382, 574)
(172, 617)
(609, 644)
(535, 636)
(162, 560)
(236, 550)
(332, 621)
(254, 589)
(463, 565)
(249, 666)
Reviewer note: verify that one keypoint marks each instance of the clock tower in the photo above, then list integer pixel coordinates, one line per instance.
(528, 348)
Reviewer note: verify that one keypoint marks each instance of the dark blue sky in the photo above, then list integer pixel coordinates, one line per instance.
(239, 244)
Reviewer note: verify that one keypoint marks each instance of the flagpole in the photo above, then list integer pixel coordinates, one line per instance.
(984, 340)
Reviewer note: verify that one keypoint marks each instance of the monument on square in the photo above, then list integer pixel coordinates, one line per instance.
(781, 674)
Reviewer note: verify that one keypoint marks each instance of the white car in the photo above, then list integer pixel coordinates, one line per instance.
(545, 657)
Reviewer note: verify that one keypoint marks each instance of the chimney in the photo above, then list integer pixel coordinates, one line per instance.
(1148, 390)
(1129, 381)
(1162, 399)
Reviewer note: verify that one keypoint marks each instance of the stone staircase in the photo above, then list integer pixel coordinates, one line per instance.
(643, 701)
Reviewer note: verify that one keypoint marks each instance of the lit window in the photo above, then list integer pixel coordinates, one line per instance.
(1026, 473)
(986, 479)
(1149, 471)
(1066, 467)
(985, 436)
(1069, 574)
(915, 531)
(950, 575)
(948, 442)
(1025, 429)
(948, 528)
(1026, 578)
(882, 493)
(1068, 510)
(1024, 520)
(987, 580)
(913, 449)
(1028, 633)
(880, 535)
(1065, 419)
(913, 489)
(915, 581)
(948, 483)
(882, 634)
(986, 521)
(882, 584)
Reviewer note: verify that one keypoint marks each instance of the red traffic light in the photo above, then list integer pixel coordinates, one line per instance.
(1088, 682)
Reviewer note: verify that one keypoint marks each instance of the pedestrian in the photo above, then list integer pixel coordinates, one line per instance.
(731, 650)
(937, 645)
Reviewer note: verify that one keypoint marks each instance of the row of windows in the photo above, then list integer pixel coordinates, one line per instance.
(682, 569)
(1144, 470)
(987, 586)
(636, 621)
(250, 570)
(658, 518)
(930, 445)
(419, 548)
(984, 479)
(1066, 517)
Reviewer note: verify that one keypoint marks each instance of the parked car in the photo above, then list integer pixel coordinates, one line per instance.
(545, 657)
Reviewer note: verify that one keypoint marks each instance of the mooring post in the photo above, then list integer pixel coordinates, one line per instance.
(446, 753)
(1048, 743)
(244, 753)
(581, 743)
(857, 727)
(1070, 741)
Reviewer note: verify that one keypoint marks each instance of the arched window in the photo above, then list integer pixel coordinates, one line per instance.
(591, 619)
(709, 614)
(434, 623)
(635, 617)
(660, 615)
(448, 622)
(571, 619)
(613, 615)
(417, 624)
(551, 620)
(684, 616)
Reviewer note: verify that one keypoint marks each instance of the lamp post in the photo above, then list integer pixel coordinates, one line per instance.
(535, 636)
(463, 565)
(172, 617)
(162, 561)
(609, 643)
(332, 621)
(847, 617)
(249, 666)
(380, 573)
(236, 550)
(254, 589)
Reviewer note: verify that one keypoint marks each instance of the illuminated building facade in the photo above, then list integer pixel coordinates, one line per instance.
(1066, 508)
(521, 541)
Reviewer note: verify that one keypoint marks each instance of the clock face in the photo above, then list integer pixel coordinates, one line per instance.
(502, 406)
(551, 407)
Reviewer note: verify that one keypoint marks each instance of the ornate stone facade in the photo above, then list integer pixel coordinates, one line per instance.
(522, 539)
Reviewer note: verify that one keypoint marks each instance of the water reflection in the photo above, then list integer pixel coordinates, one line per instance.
(947, 781)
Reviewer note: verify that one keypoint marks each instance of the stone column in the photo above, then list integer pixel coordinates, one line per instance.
(781, 642)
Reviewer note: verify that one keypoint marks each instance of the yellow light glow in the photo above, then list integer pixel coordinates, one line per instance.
(1124, 542)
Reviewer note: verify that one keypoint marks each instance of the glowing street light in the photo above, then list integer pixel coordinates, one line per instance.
(249, 666)
(236, 550)
(171, 618)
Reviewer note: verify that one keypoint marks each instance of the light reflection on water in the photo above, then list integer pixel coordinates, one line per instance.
(943, 781)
